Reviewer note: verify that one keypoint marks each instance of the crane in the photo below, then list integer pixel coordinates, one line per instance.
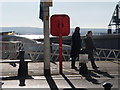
(115, 20)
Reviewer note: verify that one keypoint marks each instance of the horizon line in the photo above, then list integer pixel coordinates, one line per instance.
(42, 27)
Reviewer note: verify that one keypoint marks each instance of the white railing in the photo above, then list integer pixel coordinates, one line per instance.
(35, 51)
(107, 54)
(10, 49)
(65, 52)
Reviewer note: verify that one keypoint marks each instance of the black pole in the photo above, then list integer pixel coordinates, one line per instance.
(23, 66)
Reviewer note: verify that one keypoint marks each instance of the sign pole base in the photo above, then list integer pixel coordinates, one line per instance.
(47, 72)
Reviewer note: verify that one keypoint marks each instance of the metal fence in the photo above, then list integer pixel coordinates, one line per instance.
(35, 51)
(10, 49)
(107, 54)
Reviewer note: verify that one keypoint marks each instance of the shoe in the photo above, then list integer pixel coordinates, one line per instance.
(74, 67)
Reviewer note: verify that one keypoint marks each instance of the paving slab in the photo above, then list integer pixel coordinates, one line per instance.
(108, 72)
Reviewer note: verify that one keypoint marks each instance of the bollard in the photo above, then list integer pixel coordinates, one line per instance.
(107, 86)
(23, 66)
(22, 82)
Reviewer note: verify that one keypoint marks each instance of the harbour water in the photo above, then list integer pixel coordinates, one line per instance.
(39, 31)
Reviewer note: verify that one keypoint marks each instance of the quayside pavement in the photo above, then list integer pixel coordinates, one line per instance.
(70, 79)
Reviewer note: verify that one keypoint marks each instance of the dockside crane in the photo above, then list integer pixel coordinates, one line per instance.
(115, 20)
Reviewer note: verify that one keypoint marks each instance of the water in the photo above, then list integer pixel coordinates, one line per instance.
(95, 31)
(39, 31)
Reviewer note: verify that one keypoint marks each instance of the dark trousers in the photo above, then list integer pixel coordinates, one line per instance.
(92, 59)
(73, 61)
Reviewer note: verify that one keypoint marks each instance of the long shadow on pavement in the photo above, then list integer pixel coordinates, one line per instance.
(51, 82)
(92, 73)
(72, 86)
(91, 79)
(20, 78)
(87, 74)
(16, 77)
(102, 73)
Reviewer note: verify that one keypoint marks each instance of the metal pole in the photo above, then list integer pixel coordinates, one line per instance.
(46, 41)
(60, 46)
(60, 53)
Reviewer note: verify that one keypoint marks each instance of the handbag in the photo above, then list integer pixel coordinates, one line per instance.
(83, 58)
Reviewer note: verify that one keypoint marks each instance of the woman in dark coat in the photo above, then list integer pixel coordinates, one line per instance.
(76, 46)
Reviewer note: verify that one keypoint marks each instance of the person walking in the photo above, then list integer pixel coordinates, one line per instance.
(76, 46)
(89, 45)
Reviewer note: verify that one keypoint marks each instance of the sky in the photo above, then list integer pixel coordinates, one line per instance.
(83, 14)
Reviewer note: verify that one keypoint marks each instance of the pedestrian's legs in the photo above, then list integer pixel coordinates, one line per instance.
(77, 58)
(73, 63)
(91, 57)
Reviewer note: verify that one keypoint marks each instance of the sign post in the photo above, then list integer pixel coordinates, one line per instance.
(44, 16)
(60, 46)
(60, 26)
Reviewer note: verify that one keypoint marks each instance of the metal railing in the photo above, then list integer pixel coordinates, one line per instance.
(107, 54)
(65, 52)
(10, 49)
(35, 51)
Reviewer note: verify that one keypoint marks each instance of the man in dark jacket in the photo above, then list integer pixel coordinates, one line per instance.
(89, 48)
(76, 46)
